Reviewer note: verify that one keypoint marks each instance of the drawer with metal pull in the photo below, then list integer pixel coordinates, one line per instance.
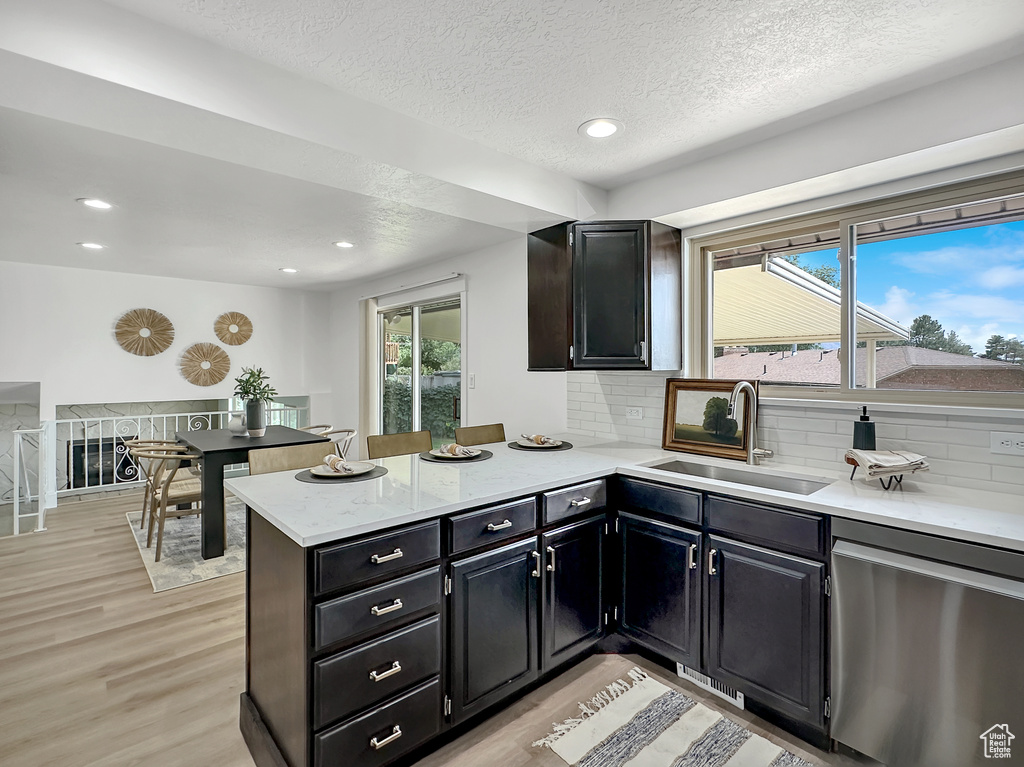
(495, 523)
(347, 564)
(365, 675)
(385, 733)
(378, 608)
(578, 499)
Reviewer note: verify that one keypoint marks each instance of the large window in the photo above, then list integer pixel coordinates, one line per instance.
(921, 293)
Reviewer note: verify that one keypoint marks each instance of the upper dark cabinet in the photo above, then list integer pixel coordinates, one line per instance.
(605, 295)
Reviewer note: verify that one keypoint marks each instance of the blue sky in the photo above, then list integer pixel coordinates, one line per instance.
(970, 280)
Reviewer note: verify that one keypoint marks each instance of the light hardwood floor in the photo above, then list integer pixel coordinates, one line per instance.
(98, 671)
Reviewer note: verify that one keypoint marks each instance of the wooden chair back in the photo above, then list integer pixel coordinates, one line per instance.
(320, 428)
(272, 459)
(403, 443)
(343, 438)
(480, 435)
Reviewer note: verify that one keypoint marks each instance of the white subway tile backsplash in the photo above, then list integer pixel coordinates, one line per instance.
(810, 434)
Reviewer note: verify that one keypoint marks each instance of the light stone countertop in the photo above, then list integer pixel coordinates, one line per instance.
(415, 490)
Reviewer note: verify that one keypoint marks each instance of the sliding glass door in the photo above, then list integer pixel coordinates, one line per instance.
(421, 369)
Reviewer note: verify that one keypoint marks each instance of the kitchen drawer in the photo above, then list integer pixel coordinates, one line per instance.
(578, 499)
(359, 678)
(648, 497)
(381, 735)
(793, 532)
(348, 564)
(495, 523)
(378, 608)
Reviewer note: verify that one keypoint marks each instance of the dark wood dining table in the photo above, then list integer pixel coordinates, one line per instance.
(219, 448)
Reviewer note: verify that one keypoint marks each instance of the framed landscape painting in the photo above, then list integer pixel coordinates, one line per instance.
(697, 418)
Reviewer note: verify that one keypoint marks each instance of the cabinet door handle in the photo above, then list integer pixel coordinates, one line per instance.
(536, 564)
(395, 668)
(579, 501)
(691, 557)
(396, 605)
(551, 564)
(505, 525)
(379, 559)
(712, 570)
(396, 733)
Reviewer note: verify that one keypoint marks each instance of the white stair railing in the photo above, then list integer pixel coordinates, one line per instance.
(23, 479)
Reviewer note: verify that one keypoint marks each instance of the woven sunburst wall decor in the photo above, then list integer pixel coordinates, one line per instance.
(144, 332)
(233, 328)
(205, 364)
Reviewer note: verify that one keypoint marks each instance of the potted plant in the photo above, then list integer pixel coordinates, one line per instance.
(252, 387)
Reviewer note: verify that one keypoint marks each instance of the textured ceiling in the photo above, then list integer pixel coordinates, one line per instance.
(682, 75)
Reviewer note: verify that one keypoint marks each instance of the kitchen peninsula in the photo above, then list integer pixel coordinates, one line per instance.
(385, 612)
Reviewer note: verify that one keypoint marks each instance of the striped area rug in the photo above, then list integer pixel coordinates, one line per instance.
(643, 723)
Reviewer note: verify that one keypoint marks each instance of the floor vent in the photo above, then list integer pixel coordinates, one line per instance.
(711, 685)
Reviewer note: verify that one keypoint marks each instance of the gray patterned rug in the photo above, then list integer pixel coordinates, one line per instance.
(643, 723)
(180, 561)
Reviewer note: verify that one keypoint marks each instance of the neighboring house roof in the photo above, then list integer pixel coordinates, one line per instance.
(776, 302)
(822, 366)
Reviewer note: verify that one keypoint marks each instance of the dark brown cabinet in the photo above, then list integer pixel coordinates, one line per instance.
(660, 606)
(493, 626)
(605, 295)
(574, 599)
(766, 627)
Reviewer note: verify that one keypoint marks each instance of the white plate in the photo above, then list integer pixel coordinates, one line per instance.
(531, 443)
(473, 454)
(358, 467)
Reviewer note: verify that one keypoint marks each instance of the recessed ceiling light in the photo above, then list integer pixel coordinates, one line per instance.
(601, 127)
(288, 270)
(92, 245)
(344, 244)
(92, 202)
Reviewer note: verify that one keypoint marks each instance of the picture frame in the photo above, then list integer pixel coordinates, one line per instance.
(696, 421)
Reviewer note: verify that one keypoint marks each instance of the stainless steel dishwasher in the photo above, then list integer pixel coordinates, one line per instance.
(927, 649)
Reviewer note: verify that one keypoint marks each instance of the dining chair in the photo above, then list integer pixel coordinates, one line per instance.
(288, 458)
(480, 435)
(403, 443)
(320, 428)
(135, 446)
(168, 496)
(343, 439)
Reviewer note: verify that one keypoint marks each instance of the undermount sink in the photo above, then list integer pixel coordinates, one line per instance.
(793, 485)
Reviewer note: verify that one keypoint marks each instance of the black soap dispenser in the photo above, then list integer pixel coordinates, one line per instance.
(864, 432)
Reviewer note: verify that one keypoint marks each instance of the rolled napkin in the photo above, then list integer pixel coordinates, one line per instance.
(456, 449)
(886, 463)
(336, 464)
(538, 439)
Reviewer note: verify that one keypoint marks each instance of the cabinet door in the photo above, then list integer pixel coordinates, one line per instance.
(610, 295)
(574, 605)
(494, 625)
(661, 588)
(766, 624)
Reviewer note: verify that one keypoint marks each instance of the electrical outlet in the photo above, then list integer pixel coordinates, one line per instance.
(1007, 443)
(634, 412)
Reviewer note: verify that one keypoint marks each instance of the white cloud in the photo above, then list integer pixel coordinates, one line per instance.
(1001, 277)
(899, 305)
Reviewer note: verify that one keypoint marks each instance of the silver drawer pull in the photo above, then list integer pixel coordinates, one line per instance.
(536, 564)
(379, 559)
(551, 565)
(503, 526)
(691, 557)
(396, 733)
(395, 668)
(579, 501)
(712, 570)
(396, 605)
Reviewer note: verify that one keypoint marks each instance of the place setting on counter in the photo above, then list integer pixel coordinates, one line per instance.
(453, 452)
(539, 443)
(337, 470)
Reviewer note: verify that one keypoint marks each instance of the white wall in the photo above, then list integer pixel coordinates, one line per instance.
(56, 327)
(496, 343)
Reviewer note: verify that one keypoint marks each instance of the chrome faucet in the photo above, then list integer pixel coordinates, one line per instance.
(754, 454)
